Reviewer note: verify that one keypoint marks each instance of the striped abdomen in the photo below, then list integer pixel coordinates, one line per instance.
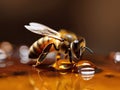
(38, 46)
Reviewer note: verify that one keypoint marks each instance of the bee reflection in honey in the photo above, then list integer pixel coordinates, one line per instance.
(63, 41)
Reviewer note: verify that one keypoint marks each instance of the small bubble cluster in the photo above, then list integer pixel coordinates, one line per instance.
(117, 57)
(23, 53)
(6, 50)
(3, 55)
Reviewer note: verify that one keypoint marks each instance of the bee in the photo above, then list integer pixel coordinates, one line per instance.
(63, 41)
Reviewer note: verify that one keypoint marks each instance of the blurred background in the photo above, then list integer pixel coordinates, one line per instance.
(96, 20)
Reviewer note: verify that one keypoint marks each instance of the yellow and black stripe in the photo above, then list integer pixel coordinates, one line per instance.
(38, 46)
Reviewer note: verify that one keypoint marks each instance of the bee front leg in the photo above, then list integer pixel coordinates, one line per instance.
(58, 56)
(42, 56)
(70, 56)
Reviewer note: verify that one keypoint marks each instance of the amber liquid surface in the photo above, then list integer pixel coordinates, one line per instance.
(19, 76)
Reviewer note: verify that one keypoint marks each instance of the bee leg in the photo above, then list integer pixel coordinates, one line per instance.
(43, 54)
(70, 56)
(37, 63)
(58, 57)
(66, 56)
(81, 56)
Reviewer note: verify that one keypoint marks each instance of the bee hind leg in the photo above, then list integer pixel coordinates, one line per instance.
(42, 56)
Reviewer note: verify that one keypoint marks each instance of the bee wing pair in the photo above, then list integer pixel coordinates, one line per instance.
(43, 30)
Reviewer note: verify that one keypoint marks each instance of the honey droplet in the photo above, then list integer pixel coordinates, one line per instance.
(84, 64)
(62, 64)
(86, 69)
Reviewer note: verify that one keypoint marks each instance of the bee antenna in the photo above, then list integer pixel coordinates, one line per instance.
(89, 49)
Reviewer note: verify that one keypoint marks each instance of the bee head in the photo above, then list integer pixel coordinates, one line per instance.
(78, 47)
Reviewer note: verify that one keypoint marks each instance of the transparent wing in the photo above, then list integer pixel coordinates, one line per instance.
(43, 30)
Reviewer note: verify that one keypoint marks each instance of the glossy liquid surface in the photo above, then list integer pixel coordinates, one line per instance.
(17, 76)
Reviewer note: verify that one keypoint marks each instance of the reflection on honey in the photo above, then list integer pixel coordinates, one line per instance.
(62, 65)
(25, 77)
